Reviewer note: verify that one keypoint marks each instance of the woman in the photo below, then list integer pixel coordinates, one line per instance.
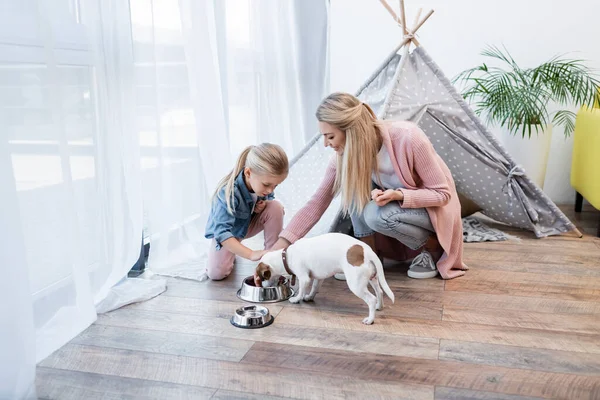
(392, 182)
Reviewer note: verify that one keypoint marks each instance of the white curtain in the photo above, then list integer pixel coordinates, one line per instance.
(276, 70)
(116, 121)
(71, 197)
(181, 127)
(217, 77)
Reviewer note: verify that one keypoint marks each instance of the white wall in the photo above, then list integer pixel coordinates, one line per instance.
(362, 34)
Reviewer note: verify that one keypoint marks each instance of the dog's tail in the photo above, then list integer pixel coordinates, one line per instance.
(381, 278)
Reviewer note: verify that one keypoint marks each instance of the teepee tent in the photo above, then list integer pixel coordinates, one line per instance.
(410, 86)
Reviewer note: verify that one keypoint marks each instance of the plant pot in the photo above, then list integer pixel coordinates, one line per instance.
(530, 153)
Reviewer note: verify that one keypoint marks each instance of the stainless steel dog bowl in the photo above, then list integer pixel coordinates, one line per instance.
(250, 293)
(251, 317)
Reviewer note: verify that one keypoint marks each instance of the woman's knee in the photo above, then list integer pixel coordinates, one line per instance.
(372, 216)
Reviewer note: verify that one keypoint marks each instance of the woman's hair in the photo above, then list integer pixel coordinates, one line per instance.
(363, 142)
(264, 159)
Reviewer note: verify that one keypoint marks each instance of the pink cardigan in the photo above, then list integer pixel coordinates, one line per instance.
(427, 184)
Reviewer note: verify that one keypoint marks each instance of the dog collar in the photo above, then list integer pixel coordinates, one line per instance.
(287, 267)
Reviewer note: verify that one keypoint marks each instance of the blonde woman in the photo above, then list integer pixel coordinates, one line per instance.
(391, 182)
(243, 206)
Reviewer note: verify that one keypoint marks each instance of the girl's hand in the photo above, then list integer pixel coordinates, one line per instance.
(381, 199)
(257, 255)
(260, 206)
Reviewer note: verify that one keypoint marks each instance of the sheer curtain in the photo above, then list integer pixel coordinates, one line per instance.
(116, 121)
(71, 198)
(276, 70)
(217, 77)
(181, 127)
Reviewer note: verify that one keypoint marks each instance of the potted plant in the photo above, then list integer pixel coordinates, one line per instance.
(527, 102)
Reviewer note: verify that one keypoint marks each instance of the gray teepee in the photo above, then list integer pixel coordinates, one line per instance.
(410, 86)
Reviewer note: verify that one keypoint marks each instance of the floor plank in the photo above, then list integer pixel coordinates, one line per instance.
(279, 332)
(201, 307)
(224, 375)
(230, 395)
(192, 345)
(525, 319)
(431, 372)
(519, 357)
(540, 289)
(580, 282)
(535, 268)
(498, 301)
(548, 245)
(62, 384)
(551, 340)
(446, 393)
(524, 256)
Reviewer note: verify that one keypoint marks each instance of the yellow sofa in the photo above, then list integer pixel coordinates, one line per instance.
(585, 167)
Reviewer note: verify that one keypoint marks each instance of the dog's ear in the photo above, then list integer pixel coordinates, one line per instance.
(263, 271)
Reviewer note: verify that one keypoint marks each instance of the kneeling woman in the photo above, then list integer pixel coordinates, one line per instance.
(392, 182)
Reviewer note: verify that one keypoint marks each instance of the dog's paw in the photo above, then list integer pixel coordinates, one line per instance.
(308, 298)
(295, 299)
(368, 321)
(379, 307)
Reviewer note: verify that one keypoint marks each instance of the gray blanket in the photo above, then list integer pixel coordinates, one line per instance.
(476, 231)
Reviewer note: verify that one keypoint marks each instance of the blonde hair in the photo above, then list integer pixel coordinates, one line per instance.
(363, 142)
(264, 159)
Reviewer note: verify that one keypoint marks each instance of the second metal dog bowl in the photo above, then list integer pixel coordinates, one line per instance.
(251, 317)
(250, 293)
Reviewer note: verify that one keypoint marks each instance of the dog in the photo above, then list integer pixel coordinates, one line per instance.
(321, 257)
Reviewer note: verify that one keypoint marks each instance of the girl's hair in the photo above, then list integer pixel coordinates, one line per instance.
(264, 159)
(363, 142)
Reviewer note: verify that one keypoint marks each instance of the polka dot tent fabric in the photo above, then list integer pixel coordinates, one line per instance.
(412, 87)
(306, 172)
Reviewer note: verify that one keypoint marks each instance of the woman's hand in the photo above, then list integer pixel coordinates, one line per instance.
(257, 255)
(375, 193)
(260, 206)
(381, 198)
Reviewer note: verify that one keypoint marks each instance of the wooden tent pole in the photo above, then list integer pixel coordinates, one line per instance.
(402, 21)
(390, 10)
(403, 17)
(425, 18)
(417, 18)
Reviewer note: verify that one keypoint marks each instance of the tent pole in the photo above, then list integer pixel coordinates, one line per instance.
(422, 21)
(403, 17)
(417, 18)
(388, 97)
(390, 10)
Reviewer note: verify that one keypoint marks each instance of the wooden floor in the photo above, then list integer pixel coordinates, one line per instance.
(524, 323)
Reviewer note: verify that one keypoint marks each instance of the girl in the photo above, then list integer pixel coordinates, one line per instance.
(243, 206)
(392, 183)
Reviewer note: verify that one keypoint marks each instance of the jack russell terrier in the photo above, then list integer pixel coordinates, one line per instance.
(320, 257)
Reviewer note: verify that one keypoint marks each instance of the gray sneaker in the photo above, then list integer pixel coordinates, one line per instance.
(423, 266)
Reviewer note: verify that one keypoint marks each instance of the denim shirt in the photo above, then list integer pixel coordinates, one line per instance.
(221, 224)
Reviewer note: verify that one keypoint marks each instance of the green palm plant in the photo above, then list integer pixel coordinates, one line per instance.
(518, 98)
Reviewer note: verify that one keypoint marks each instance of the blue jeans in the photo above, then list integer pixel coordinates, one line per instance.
(410, 226)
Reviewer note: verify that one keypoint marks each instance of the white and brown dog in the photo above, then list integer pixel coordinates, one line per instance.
(320, 257)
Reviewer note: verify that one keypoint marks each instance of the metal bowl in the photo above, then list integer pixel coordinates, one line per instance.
(272, 294)
(252, 317)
